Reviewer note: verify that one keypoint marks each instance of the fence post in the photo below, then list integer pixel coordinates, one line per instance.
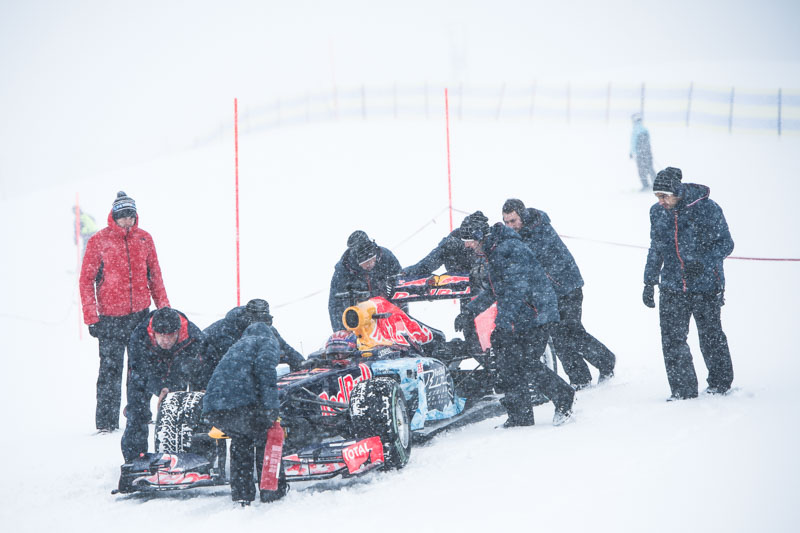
(730, 115)
(460, 99)
(689, 103)
(779, 112)
(608, 103)
(533, 99)
(427, 102)
(500, 103)
(641, 104)
(363, 102)
(569, 99)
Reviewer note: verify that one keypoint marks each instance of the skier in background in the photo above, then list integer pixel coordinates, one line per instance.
(640, 148)
(88, 227)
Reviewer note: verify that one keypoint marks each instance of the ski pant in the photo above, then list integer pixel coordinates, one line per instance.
(247, 429)
(113, 341)
(574, 345)
(647, 174)
(521, 367)
(675, 310)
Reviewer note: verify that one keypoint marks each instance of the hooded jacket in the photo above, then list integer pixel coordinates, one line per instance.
(120, 273)
(246, 375)
(525, 297)
(550, 250)
(153, 368)
(695, 230)
(349, 275)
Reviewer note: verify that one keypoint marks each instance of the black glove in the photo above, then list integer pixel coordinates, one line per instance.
(648, 296)
(96, 329)
(462, 321)
(694, 268)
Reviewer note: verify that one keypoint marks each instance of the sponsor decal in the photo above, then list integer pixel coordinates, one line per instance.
(346, 385)
(364, 452)
(170, 474)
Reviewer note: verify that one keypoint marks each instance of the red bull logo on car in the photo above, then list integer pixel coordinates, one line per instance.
(346, 385)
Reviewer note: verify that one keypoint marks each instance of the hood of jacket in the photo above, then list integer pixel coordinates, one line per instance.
(691, 193)
(117, 229)
(498, 233)
(257, 329)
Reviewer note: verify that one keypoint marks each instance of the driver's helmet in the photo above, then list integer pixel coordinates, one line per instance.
(341, 343)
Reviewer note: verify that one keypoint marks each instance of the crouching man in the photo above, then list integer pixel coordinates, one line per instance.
(166, 350)
(242, 400)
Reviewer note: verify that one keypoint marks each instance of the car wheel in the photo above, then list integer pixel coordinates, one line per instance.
(378, 408)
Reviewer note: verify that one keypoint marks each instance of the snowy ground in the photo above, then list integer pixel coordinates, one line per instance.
(631, 461)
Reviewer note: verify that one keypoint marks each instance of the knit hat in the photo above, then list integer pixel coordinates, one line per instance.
(166, 320)
(361, 246)
(668, 181)
(475, 227)
(123, 206)
(257, 310)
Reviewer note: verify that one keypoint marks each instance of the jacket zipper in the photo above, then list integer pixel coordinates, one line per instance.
(678, 252)
(130, 270)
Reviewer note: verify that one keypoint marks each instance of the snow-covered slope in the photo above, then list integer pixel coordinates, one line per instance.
(630, 462)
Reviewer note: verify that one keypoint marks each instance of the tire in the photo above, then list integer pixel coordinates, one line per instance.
(179, 416)
(378, 408)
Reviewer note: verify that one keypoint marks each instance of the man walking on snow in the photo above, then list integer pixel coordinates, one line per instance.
(571, 341)
(689, 240)
(526, 309)
(119, 275)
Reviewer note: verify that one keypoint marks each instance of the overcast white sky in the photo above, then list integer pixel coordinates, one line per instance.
(90, 86)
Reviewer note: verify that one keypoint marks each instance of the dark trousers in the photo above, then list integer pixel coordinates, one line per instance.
(248, 434)
(647, 173)
(574, 345)
(521, 367)
(675, 310)
(113, 343)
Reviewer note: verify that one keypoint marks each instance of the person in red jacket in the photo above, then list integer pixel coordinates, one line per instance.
(119, 275)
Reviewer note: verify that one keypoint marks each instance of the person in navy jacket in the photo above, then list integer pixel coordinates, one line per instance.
(166, 354)
(689, 241)
(572, 343)
(223, 333)
(527, 307)
(242, 400)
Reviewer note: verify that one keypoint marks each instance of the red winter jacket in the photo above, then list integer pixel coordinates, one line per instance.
(123, 267)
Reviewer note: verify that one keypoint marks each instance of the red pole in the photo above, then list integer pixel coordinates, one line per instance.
(449, 182)
(236, 144)
(78, 253)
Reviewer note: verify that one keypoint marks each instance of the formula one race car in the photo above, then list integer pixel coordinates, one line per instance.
(385, 382)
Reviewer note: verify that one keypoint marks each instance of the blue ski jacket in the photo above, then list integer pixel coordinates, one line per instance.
(525, 297)
(246, 375)
(550, 250)
(693, 231)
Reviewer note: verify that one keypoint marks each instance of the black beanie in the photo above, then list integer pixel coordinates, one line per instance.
(257, 310)
(475, 227)
(166, 320)
(123, 206)
(668, 181)
(361, 246)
